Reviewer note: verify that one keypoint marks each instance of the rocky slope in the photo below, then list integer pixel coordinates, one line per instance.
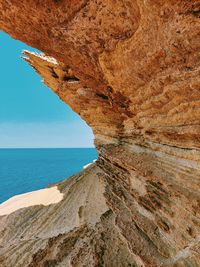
(131, 69)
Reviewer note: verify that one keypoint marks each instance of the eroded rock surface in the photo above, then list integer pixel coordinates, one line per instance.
(131, 69)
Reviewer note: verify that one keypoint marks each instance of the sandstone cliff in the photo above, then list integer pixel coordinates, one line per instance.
(131, 69)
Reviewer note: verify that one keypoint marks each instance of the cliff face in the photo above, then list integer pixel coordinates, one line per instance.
(131, 70)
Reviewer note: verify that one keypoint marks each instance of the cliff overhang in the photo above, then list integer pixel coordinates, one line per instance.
(131, 70)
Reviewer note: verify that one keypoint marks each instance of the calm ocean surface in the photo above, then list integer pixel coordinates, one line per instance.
(24, 170)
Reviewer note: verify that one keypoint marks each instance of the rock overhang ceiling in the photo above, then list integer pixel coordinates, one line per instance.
(131, 69)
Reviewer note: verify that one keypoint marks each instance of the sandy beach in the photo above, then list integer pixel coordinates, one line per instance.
(44, 197)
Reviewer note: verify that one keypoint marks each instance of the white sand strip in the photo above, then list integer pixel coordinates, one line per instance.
(87, 165)
(40, 197)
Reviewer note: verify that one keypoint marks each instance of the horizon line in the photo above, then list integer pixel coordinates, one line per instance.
(43, 147)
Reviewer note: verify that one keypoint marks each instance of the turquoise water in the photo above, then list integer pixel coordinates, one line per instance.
(24, 170)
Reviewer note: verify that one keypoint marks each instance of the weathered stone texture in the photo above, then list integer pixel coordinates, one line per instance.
(131, 70)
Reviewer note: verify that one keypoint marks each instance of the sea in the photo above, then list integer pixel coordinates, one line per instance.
(25, 170)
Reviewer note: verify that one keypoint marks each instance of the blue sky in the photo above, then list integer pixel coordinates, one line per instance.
(30, 114)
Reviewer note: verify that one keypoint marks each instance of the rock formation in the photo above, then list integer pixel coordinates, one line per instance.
(131, 69)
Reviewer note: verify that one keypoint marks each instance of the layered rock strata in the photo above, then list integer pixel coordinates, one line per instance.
(131, 70)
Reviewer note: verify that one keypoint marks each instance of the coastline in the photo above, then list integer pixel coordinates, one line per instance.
(43, 197)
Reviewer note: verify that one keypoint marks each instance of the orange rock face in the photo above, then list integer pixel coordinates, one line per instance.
(131, 69)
